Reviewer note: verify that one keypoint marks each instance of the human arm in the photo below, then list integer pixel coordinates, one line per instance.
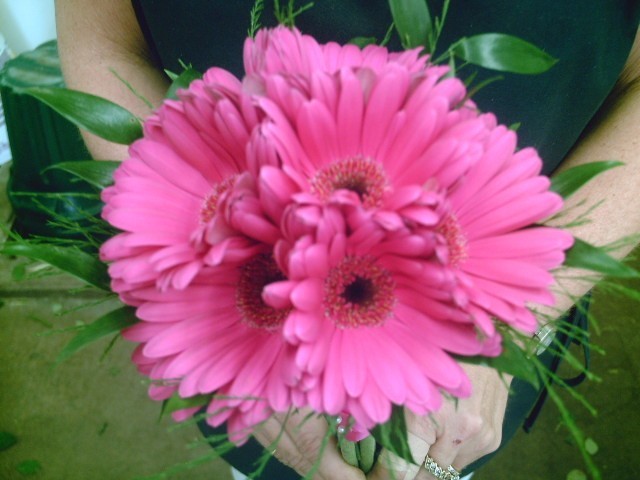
(614, 135)
(97, 39)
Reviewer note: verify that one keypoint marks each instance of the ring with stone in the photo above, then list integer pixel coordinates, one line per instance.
(439, 472)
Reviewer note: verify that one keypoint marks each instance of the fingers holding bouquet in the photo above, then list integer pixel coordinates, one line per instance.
(299, 440)
(461, 432)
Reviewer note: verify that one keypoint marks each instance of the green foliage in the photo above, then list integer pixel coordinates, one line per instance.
(362, 42)
(415, 25)
(393, 434)
(589, 257)
(571, 180)
(176, 403)
(40, 67)
(575, 431)
(256, 13)
(109, 323)
(132, 89)
(286, 15)
(71, 260)
(413, 22)
(183, 80)
(98, 173)
(89, 112)
(505, 53)
(513, 361)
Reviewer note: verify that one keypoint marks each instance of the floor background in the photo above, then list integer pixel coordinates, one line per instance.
(90, 418)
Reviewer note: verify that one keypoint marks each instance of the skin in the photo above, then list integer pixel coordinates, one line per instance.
(93, 40)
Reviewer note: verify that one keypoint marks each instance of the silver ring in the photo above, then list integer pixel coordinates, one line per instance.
(440, 473)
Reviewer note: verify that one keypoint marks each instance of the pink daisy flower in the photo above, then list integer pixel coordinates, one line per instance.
(217, 336)
(284, 50)
(371, 141)
(369, 320)
(499, 255)
(166, 194)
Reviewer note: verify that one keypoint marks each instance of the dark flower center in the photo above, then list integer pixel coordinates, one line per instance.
(359, 293)
(256, 274)
(363, 176)
(210, 206)
(456, 240)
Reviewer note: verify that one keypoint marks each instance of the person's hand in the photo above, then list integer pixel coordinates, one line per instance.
(458, 434)
(299, 446)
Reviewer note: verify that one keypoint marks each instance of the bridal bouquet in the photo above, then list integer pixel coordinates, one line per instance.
(338, 230)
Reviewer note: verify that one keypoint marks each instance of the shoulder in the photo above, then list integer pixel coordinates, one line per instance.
(101, 26)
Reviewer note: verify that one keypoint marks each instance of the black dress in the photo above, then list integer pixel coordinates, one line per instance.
(591, 42)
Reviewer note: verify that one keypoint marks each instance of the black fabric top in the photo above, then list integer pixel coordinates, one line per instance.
(592, 43)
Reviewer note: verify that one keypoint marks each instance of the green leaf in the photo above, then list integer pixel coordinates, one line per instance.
(176, 403)
(505, 53)
(589, 257)
(93, 114)
(37, 67)
(109, 323)
(362, 42)
(29, 467)
(392, 435)
(7, 440)
(182, 81)
(412, 20)
(256, 14)
(81, 265)
(513, 361)
(98, 173)
(568, 182)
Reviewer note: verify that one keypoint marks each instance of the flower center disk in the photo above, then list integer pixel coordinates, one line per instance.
(210, 206)
(456, 241)
(359, 293)
(256, 274)
(363, 176)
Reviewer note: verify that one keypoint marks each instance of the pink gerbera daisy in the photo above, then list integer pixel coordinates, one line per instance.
(372, 141)
(369, 320)
(166, 194)
(217, 336)
(500, 256)
(284, 50)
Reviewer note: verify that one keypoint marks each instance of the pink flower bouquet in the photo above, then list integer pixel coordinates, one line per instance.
(328, 232)
(338, 230)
